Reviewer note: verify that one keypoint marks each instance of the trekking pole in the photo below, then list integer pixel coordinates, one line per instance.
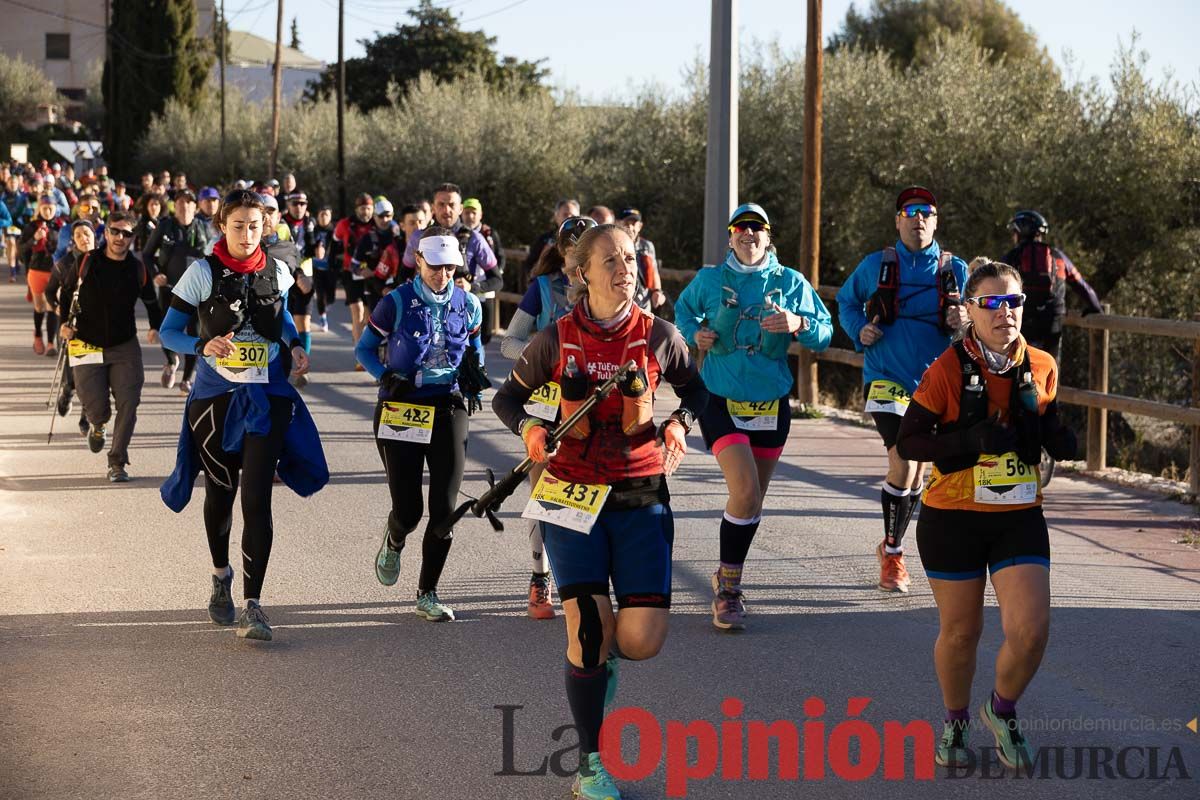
(61, 366)
(497, 493)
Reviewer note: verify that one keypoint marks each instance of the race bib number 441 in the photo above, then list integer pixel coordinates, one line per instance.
(246, 364)
(567, 504)
(1005, 480)
(754, 415)
(83, 354)
(887, 397)
(404, 422)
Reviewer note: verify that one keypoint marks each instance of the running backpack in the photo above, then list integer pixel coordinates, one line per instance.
(885, 302)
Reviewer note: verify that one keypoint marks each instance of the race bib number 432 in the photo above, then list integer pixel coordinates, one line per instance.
(567, 504)
(1005, 480)
(404, 422)
(246, 364)
(887, 397)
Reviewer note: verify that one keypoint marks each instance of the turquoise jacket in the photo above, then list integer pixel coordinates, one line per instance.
(745, 372)
(911, 343)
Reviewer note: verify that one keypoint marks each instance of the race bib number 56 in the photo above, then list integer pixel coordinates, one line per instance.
(1005, 480)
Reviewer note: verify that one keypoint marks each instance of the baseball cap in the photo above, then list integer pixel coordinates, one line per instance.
(749, 211)
(473, 202)
(629, 213)
(209, 193)
(274, 184)
(385, 207)
(294, 196)
(270, 202)
(440, 250)
(363, 198)
(185, 194)
(915, 194)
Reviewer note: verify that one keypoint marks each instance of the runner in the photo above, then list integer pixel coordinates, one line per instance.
(427, 389)
(324, 275)
(543, 304)
(242, 415)
(149, 209)
(901, 306)
(346, 235)
(103, 347)
(472, 217)
(650, 294)
(623, 530)
(743, 315)
(38, 240)
(370, 249)
(280, 244)
(982, 414)
(83, 241)
(16, 203)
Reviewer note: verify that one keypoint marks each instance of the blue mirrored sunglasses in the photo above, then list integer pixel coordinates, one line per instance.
(917, 209)
(992, 302)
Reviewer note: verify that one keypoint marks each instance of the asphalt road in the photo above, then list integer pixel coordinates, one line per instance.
(114, 685)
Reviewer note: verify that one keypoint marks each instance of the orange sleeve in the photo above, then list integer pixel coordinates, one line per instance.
(938, 387)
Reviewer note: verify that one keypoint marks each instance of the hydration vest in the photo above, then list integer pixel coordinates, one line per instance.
(412, 333)
(729, 318)
(239, 299)
(885, 303)
(553, 292)
(1040, 277)
(973, 409)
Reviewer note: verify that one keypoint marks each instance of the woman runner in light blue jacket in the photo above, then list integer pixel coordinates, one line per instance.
(743, 315)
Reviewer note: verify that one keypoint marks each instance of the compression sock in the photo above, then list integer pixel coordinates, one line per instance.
(894, 501)
(1002, 707)
(306, 341)
(585, 694)
(51, 326)
(958, 714)
(736, 536)
(910, 509)
(38, 316)
(541, 564)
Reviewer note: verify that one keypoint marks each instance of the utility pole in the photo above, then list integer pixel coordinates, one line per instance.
(721, 169)
(277, 91)
(221, 57)
(810, 225)
(341, 110)
(109, 115)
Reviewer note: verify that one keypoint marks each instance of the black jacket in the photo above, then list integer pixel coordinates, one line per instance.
(107, 297)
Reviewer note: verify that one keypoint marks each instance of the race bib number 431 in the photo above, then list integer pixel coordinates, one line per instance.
(887, 397)
(754, 415)
(1005, 480)
(246, 364)
(403, 422)
(567, 504)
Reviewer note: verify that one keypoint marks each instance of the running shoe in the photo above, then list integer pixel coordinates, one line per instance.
(167, 379)
(432, 609)
(593, 781)
(220, 602)
(540, 606)
(185, 388)
(97, 437)
(117, 474)
(51, 350)
(323, 323)
(84, 427)
(39, 346)
(65, 401)
(387, 562)
(952, 749)
(1010, 742)
(728, 607)
(893, 575)
(613, 667)
(253, 624)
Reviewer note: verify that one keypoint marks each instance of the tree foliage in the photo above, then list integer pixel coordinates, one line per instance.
(156, 56)
(434, 44)
(908, 29)
(23, 87)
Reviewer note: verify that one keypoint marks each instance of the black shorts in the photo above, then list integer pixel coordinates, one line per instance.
(719, 430)
(887, 424)
(354, 289)
(963, 545)
(298, 302)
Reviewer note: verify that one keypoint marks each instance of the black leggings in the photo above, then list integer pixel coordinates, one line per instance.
(256, 463)
(325, 281)
(404, 463)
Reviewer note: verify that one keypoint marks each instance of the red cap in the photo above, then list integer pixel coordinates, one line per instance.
(915, 194)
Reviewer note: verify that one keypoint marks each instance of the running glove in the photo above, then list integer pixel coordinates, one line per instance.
(990, 436)
(673, 436)
(395, 384)
(534, 434)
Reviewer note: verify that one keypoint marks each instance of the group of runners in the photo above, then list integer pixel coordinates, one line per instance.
(948, 379)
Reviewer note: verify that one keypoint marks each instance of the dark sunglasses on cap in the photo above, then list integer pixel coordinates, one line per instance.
(119, 233)
(917, 209)
(741, 226)
(992, 302)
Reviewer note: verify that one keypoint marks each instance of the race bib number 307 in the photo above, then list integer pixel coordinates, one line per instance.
(887, 397)
(246, 364)
(403, 422)
(1005, 480)
(567, 504)
(754, 415)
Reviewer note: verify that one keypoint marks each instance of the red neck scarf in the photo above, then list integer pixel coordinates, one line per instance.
(244, 266)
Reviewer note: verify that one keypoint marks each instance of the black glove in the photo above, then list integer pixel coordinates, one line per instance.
(395, 384)
(474, 403)
(989, 437)
(472, 376)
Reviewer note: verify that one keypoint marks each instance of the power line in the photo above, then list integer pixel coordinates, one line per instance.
(67, 17)
(493, 13)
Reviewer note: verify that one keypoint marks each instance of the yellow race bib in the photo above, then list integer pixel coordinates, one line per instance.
(404, 422)
(570, 505)
(754, 415)
(83, 354)
(1005, 480)
(887, 397)
(543, 403)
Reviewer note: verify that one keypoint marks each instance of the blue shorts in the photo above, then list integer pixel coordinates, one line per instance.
(633, 548)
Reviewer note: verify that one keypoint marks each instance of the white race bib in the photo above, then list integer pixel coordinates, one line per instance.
(543, 403)
(247, 363)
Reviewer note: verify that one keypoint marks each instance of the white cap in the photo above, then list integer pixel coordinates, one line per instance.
(439, 250)
(383, 207)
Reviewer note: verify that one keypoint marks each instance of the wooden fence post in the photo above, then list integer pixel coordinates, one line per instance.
(1097, 435)
(1194, 460)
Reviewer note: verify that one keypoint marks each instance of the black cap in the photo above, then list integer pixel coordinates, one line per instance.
(629, 212)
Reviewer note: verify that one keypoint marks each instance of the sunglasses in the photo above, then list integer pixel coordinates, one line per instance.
(993, 302)
(917, 210)
(388, 215)
(119, 233)
(441, 267)
(297, 202)
(749, 225)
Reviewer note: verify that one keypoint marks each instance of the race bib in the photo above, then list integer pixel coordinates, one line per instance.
(1005, 480)
(403, 422)
(754, 415)
(887, 397)
(569, 505)
(543, 403)
(246, 364)
(83, 354)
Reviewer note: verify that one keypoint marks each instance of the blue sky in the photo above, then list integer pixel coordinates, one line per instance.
(602, 50)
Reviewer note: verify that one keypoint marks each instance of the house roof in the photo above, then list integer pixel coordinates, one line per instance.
(246, 49)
